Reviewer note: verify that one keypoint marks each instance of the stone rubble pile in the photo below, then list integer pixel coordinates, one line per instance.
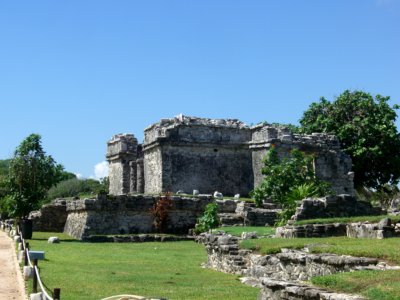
(280, 274)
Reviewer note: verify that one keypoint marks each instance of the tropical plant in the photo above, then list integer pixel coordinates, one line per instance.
(209, 219)
(288, 180)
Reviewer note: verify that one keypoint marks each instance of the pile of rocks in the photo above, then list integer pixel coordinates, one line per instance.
(334, 206)
(280, 275)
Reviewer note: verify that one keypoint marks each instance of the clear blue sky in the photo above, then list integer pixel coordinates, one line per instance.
(78, 72)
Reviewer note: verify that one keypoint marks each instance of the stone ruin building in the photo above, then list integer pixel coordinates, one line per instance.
(188, 153)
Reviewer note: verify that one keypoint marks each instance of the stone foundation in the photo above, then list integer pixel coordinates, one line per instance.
(383, 229)
(129, 215)
(51, 217)
(283, 290)
(279, 275)
(334, 206)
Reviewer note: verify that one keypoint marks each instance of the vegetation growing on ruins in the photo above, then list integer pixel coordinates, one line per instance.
(287, 181)
(160, 212)
(98, 270)
(365, 126)
(209, 219)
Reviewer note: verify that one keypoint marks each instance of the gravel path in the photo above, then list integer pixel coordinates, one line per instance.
(11, 281)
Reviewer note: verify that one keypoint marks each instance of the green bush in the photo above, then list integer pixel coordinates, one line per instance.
(75, 188)
(287, 181)
(209, 220)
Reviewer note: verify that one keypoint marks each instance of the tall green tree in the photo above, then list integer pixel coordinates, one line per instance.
(32, 173)
(365, 126)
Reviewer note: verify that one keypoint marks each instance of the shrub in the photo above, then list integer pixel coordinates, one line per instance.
(160, 212)
(75, 188)
(209, 220)
(288, 180)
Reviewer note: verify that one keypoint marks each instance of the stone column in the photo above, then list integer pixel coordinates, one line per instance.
(121, 150)
(133, 174)
(140, 176)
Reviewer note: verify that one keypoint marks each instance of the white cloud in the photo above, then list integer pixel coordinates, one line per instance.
(79, 175)
(101, 170)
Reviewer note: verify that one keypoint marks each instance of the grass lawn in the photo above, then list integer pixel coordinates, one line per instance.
(371, 219)
(237, 230)
(382, 285)
(171, 270)
(387, 249)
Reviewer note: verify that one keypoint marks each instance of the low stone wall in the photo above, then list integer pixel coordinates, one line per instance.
(334, 206)
(283, 290)
(51, 217)
(290, 266)
(130, 214)
(311, 230)
(384, 229)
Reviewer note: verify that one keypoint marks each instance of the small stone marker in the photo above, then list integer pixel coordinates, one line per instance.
(36, 255)
(249, 235)
(218, 195)
(180, 192)
(53, 240)
(28, 272)
(37, 296)
(17, 238)
(237, 196)
(196, 192)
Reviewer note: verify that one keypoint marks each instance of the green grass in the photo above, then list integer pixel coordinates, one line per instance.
(382, 285)
(387, 249)
(170, 270)
(371, 219)
(237, 230)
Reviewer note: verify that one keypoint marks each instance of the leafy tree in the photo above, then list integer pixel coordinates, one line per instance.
(32, 174)
(365, 126)
(288, 180)
(4, 167)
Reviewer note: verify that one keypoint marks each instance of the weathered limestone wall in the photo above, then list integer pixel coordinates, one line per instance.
(152, 171)
(384, 229)
(225, 155)
(334, 206)
(51, 217)
(331, 164)
(129, 214)
(281, 275)
(121, 150)
(202, 154)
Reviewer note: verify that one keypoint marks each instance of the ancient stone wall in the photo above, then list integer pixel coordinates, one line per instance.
(330, 163)
(282, 275)
(334, 206)
(121, 151)
(202, 154)
(129, 214)
(384, 229)
(188, 153)
(51, 217)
